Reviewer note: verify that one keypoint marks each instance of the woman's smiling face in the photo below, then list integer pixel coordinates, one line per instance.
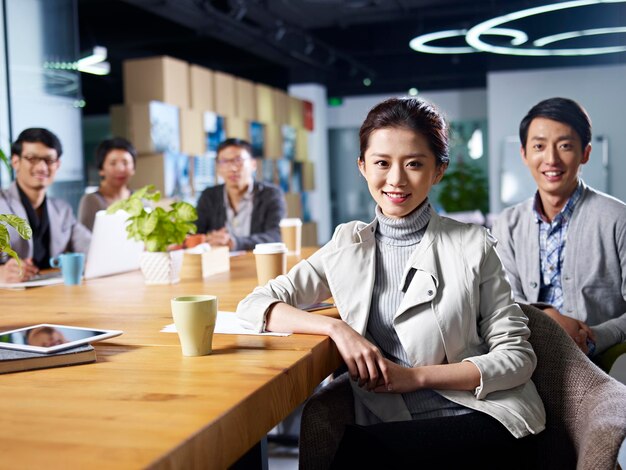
(400, 168)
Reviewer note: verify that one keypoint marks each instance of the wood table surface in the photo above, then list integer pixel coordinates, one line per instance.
(143, 404)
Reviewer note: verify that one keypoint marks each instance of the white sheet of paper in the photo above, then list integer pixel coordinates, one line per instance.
(227, 323)
(36, 283)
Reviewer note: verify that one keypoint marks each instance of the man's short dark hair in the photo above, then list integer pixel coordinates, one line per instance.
(561, 110)
(234, 142)
(116, 143)
(35, 135)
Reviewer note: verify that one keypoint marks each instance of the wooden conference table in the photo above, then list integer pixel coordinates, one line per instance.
(143, 404)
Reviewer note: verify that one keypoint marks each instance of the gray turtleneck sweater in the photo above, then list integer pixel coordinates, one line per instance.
(396, 240)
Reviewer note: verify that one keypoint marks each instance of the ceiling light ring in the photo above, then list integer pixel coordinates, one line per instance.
(419, 43)
(473, 35)
(576, 34)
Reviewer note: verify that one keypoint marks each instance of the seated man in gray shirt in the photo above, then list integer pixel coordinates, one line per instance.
(565, 248)
(36, 157)
(241, 212)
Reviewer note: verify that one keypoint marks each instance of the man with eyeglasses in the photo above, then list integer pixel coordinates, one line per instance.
(241, 212)
(36, 157)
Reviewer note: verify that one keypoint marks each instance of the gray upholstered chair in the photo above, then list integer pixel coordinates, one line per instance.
(586, 409)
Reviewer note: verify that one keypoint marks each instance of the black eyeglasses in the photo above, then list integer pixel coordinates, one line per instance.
(237, 161)
(35, 160)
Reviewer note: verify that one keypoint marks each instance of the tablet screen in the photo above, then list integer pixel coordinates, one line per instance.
(47, 338)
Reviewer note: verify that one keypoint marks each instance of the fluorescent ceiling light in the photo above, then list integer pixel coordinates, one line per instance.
(98, 55)
(102, 68)
(473, 35)
(95, 62)
(576, 34)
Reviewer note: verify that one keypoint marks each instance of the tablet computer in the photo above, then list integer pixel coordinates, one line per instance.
(48, 338)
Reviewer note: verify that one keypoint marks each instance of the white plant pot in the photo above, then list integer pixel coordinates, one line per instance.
(161, 267)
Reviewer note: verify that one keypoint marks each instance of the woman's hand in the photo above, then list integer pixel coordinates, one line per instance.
(401, 379)
(364, 360)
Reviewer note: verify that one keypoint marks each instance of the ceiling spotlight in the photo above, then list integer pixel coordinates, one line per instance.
(310, 46)
(413, 92)
(367, 81)
(280, 33)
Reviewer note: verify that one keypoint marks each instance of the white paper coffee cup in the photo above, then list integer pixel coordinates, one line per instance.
(291, 233)
(271, 261)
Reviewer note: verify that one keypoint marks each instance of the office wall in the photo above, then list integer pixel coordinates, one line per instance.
(350, 198)
(599, 89)
(318, 154)
(456, 105)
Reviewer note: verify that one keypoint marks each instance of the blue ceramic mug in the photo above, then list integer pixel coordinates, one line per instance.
(71, 265)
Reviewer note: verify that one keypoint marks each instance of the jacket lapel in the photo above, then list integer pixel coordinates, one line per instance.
(350, 272)
(422, 267)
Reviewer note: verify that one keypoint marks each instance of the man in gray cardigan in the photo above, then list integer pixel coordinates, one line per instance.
(36, 157)
(241, 212)
(565, 249)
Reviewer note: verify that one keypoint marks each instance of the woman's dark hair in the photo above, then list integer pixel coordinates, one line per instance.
(561, 110)
(412, 114)
(116, 143)
(234, 142)
(36, 135)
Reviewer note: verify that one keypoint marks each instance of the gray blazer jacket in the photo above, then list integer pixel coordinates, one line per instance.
(460, 279)
(268, 207)
(66, 234)
(594, 266)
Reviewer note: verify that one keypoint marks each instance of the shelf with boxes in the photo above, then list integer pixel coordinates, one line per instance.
(176, 114)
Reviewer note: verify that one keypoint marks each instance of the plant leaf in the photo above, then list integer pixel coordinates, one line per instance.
(19, 224)
(185, 211)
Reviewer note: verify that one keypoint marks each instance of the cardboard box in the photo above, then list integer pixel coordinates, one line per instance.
(119, 121)
(238, 127)
(225, 103)
(192, 135)
(216, 260)
(281, 106)
(309, 234)
(308, 176)
(201, 88)
(168, 172)
(302, 144)
(264, 104)
(245, 93)
(296, 112)
(160, 78)
(294, 205)
(153, 127)
(273, 141)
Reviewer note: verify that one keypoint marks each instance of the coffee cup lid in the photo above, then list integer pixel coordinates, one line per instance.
(269, 248)
(293, 222)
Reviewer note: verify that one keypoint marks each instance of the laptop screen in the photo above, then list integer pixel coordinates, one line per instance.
(110, 251)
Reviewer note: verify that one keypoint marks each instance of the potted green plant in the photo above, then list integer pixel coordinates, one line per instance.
(10, 220)
(159, 229)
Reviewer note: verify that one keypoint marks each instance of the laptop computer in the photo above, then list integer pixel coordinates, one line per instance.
(110, 251)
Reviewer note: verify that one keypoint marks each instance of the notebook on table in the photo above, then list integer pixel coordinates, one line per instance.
(17, 361)
(110, 251)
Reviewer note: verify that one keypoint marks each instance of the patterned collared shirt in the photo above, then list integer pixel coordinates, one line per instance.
(552, 241)
(238, 223)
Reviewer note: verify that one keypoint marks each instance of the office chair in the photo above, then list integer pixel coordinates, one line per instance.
(586, 409)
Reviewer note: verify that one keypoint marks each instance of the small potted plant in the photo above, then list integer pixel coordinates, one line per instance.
(19, 224)
(160, 230)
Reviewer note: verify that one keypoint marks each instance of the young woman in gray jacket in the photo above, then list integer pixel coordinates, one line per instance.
(437, 349)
